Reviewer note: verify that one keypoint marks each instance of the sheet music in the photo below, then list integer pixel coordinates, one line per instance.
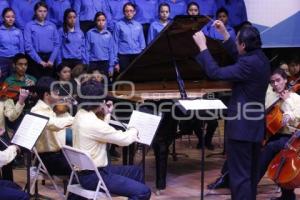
(146, 124)
(29, 130)
(202, 104)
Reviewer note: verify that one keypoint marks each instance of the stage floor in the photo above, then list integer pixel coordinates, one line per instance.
(183, 180)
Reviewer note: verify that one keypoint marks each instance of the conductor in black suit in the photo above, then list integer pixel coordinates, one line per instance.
(245, 126)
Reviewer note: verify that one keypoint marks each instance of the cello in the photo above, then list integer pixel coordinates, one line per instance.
(284, 169)
(274, 116)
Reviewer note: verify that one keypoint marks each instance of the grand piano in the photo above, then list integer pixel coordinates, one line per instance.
(166, 70)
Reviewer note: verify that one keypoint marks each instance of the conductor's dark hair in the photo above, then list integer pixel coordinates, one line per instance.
(251, 37)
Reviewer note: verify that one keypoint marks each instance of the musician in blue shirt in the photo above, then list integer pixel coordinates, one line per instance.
(100, 52)
(56, 11)
(115, 10)
(41, 42)
(158, 25)
(212, 32)
(177, 7)
(128, 38)
(72, 41)
(24, 11)
(3, 4)
(11, 42)
(86, 10)
(146, 13)
(207, 7)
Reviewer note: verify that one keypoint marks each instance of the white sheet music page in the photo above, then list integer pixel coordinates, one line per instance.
(202, 104)
(146, 124)
(29, 130)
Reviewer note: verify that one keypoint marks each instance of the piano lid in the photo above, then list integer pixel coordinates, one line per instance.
(155, 63)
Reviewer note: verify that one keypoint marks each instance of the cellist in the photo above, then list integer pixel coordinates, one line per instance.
(290, 107)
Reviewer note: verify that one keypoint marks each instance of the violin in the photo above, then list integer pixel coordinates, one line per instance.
(65, 104)
(61, 108)
(284, 169)
(9, 91)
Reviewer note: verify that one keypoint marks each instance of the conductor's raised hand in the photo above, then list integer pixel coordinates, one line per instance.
(219, 25)
(200, 40)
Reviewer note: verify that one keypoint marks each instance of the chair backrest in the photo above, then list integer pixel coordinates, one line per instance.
(78, 159)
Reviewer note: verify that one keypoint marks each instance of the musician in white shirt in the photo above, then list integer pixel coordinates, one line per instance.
(92, 133)
(47, 145)
(8, 189)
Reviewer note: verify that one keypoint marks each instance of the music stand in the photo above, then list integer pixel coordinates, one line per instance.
(28, 132)
(201, 105)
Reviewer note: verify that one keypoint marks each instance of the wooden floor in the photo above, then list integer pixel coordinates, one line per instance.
(183, 181)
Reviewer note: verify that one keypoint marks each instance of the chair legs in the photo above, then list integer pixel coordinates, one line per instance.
(42, 170)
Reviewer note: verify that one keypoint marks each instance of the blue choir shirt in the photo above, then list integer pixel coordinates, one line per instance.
(128, 37)
(24, 10)
(100, 46)
(41, 39)
(11, 41)
(56, 10)
(72, 45)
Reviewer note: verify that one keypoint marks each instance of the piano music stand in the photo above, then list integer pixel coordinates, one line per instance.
(202, 107)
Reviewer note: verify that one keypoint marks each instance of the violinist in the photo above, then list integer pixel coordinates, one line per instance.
(10, 110)
(20, 78)
(290, 106)
(47, 145)
(92, 132)
(8, 189)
